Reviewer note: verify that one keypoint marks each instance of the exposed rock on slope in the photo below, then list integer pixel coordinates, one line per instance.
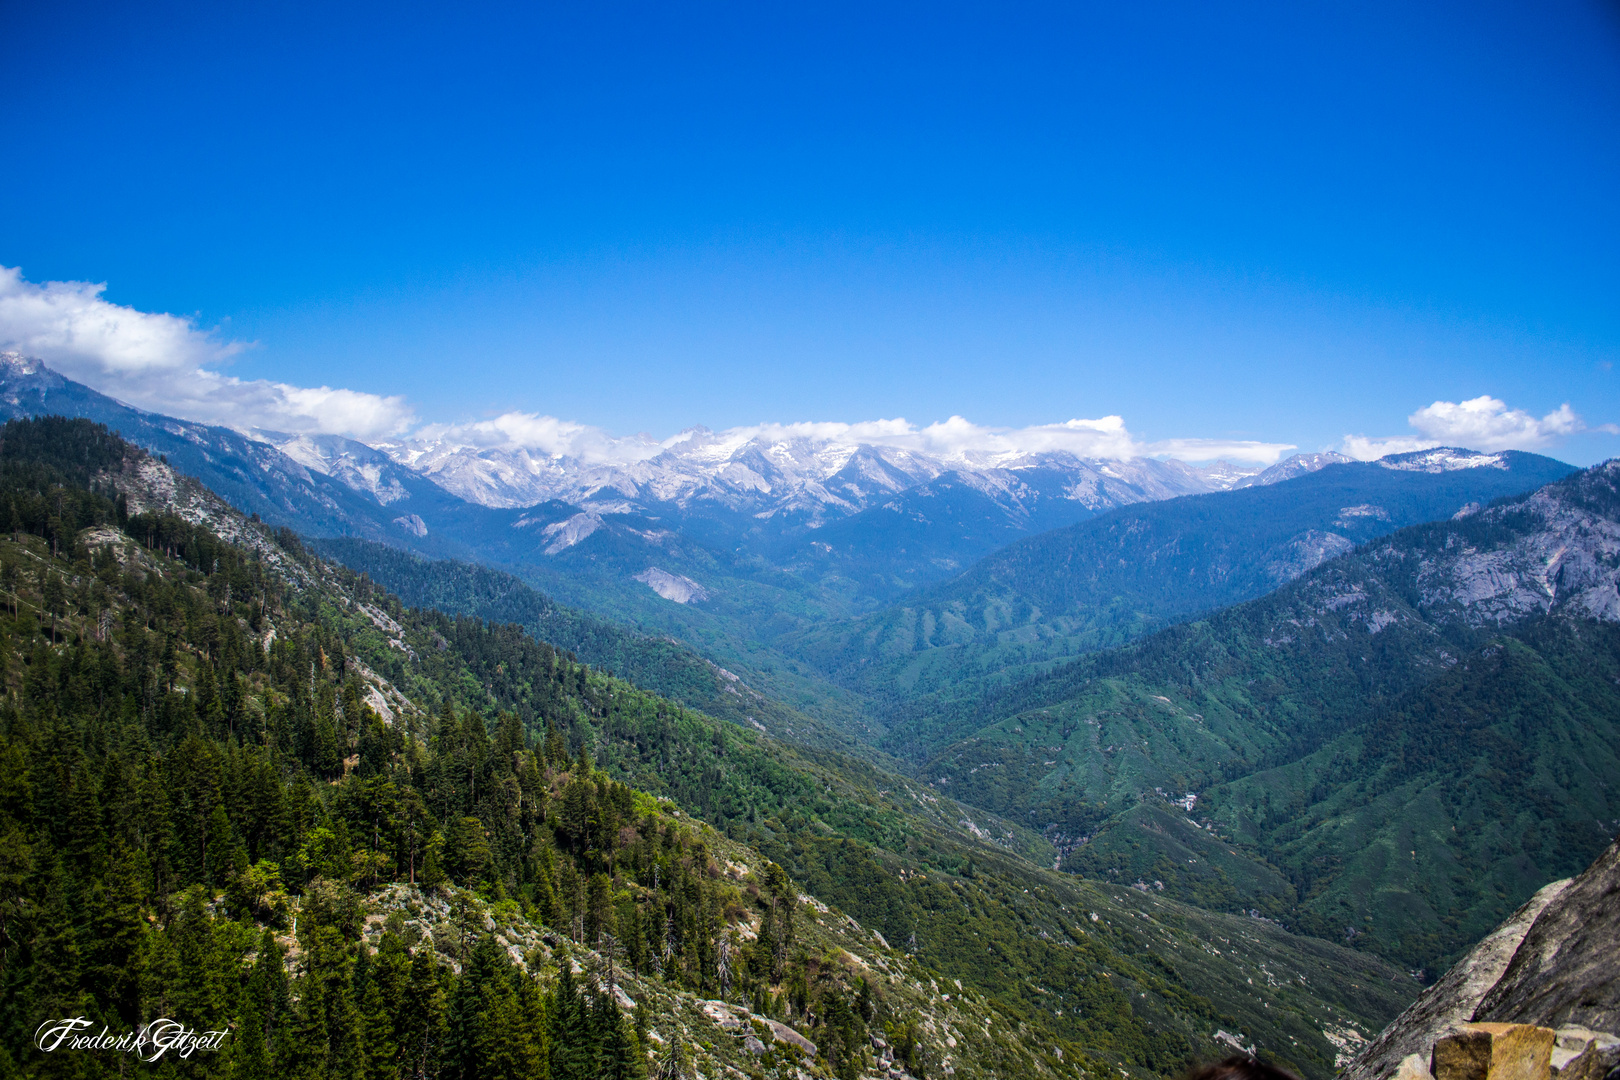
(1555, 963)
(1567, 971)
(1453, 999)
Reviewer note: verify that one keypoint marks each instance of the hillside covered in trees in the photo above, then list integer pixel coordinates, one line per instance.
(222, 756)
(1395, 750)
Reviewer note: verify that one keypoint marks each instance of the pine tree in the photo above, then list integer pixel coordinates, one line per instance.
(572, 1052)
(433, 874)
(420, 1021)
(598, 892)
(617, 1055)
(116, 926)
(472, 1009)
(532, 1005)
(378, 1027)
(56, 970)
(634, 938)
(247, 1057)
(330, 977)
(505, 1047)
(676, 1063)
(269, 994)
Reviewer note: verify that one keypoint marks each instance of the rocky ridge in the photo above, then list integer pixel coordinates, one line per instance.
(1563, 555)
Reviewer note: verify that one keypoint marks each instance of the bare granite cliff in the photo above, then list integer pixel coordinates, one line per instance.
(1551, 968)
(1567, 971)
(1451, 1000)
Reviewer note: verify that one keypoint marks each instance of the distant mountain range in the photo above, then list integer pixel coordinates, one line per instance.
(758, 554)
(1135, 569)
(715, 538)
(804, 479)
(1395, 749)
(798, 481)
(1421, 660)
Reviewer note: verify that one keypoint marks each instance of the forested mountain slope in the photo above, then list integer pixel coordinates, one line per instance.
(1136, 569)
(733, 549)
(209, 733)
(660, 664)
(1395, 749)
(328, 486)
(348, 496)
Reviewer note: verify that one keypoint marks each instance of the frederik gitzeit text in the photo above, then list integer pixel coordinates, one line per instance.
(147, 1044)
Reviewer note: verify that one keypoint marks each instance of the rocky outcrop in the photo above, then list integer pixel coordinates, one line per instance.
(1538, 999)
(1494, 1052)
(1584, 1054)
(1557, 553)
(1452, 1000)
(1567, 971)
(739, 1020)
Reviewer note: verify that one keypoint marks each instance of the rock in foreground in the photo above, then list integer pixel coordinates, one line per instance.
(1538, 998)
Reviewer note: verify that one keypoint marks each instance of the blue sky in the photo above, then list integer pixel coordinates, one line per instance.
(1286, 223)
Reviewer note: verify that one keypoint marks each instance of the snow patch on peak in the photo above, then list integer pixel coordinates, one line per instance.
(20, 364)
(354, 464)
(1298, 465)
(1223, 474)
(1443, 459)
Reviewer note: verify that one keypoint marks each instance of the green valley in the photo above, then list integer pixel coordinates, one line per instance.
(1123, 574)
(244, 782)
(1394, 750)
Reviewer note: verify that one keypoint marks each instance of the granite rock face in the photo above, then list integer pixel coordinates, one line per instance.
(1567, 970)
(1452, 1000)
(1555, 964)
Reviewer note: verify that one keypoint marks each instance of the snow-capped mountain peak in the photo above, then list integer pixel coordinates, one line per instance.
(354, 464)
(1443, 459)
(775, 472)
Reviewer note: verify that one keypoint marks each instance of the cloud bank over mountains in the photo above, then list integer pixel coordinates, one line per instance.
(168, 364)
(1482, 423)
(956, 439)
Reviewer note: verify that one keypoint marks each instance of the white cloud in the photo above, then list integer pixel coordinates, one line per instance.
(164, 363)
(956, 439)
(1363, 448)
(1482, 423)
(953, 439)
(547, 434)
(167, 364)
(1245, 450)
